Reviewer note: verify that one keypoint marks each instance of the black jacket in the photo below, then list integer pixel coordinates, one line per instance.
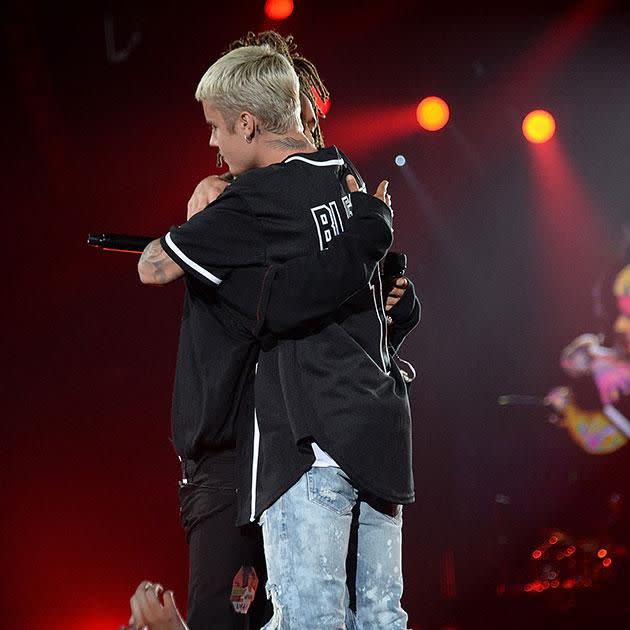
(331, 379)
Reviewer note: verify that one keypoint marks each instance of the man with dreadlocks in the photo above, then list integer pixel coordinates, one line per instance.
(313, 95)
(312, 88)
(214, 394)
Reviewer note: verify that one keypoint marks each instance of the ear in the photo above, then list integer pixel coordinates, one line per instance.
(246, 124)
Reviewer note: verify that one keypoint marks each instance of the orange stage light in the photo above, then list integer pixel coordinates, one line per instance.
(539, 126)
(602, 553)
(607, 562)
(537, 554)
(432, 113)
(278, 9)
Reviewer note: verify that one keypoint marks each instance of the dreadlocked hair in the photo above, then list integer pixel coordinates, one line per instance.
(311, 85)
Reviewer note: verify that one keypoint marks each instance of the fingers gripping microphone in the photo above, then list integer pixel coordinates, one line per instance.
(119, 242)
(394, 267)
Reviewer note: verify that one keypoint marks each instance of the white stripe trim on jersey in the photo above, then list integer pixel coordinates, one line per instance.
(255, 454)
(337, 162)
(191, 263)
(380, 325)
(618, 419)
(384, 329)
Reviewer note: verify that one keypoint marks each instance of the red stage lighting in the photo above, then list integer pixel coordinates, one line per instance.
(278, 9)
(324, 106)
(539, 126)
(432, 113)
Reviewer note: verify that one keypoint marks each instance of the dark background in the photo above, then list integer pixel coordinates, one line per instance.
(505, 241)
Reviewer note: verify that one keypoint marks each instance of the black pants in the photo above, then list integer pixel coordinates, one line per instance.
(217, 548)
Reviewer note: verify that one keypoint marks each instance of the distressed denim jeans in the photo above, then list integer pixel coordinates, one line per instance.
(306, 534)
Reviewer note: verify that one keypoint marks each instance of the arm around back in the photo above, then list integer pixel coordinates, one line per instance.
(405, 316)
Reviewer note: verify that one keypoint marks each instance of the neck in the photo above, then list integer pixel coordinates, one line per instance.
(290, 143)
(277, 147)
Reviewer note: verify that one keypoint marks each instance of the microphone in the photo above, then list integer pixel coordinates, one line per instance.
(394, 267)
(119, 242)
(519, 399)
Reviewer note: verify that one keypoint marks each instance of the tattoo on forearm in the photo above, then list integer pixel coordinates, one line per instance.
(289, 143)
(155, 256)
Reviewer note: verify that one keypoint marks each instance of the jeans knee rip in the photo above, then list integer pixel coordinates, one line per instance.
(276, 620)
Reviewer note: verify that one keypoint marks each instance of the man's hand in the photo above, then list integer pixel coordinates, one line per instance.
(559, 399)
(206, 191)
(381, 191)
(396, 292)
(147, 611)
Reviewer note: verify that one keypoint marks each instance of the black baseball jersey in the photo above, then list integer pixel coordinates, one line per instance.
(213, 389)
(214, 376)
(333, 383)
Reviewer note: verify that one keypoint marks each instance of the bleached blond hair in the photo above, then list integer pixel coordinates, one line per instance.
(255, 79)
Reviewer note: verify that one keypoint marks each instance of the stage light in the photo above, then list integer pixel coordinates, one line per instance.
(607, 562)
(539, 126)
(400, 160)
(432, 113)
(602, 553)
(536, 555)
(323, 106)
(278, 9)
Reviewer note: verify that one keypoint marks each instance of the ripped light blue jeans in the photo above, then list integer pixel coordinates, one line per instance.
(306, 534)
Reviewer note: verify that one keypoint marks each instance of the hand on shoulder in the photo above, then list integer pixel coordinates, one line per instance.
(206, 191)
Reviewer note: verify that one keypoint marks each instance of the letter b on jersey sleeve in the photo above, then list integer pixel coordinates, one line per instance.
(328, 223)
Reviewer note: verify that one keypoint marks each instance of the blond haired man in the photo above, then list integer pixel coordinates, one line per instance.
(331, 430)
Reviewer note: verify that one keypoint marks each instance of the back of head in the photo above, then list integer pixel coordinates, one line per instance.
(312, 88)
(256, 79)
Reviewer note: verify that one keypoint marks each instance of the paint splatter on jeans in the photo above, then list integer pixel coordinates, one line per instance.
(307, 533)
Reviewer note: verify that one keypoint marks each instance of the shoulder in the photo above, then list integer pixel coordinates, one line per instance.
(324, 160)
(232, 199)
(268, 176)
